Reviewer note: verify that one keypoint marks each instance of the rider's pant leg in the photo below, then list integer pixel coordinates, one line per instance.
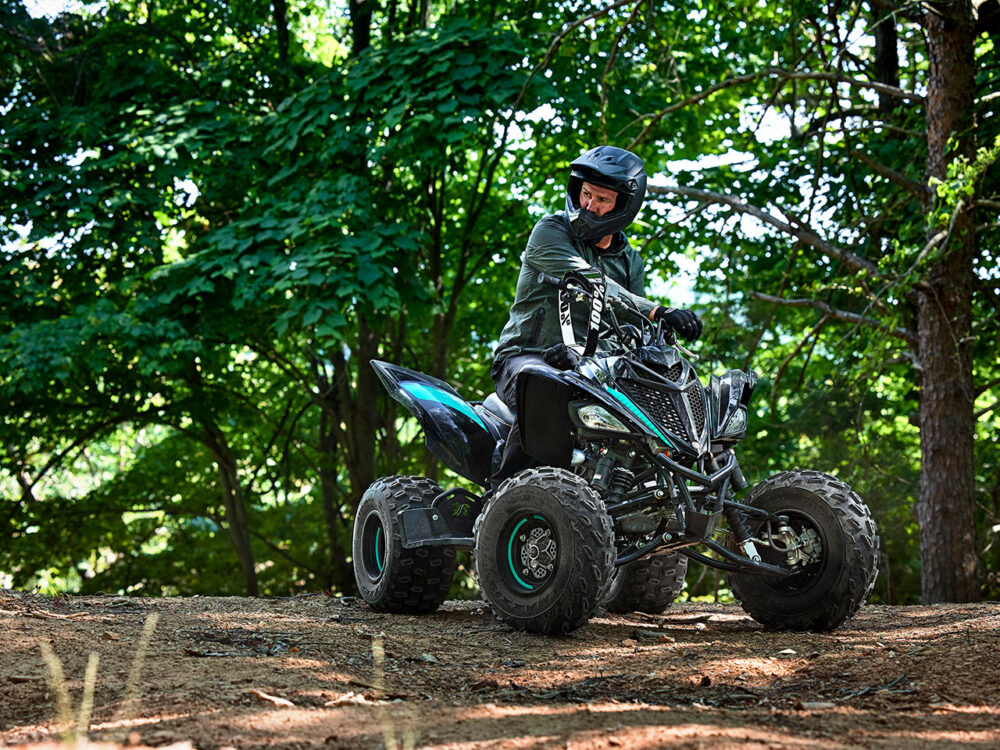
(505, 379)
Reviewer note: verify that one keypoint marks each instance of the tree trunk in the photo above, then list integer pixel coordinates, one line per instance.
(281, 26)
(886, 54)
(234, 502)
(419, 14)
(361, 25)
(365, 419)
(945, 509)
(353, 408)
(340, 575)
(389, 27)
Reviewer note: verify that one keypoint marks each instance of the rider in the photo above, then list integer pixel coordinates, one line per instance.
(606, 189)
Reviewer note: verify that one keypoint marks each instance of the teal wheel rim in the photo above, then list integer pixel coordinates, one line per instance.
(374, 550)
(529, 553)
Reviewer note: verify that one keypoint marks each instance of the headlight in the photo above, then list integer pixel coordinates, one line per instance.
(737, 423)
(598, 418)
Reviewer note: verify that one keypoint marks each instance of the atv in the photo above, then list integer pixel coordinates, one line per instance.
(636, 475)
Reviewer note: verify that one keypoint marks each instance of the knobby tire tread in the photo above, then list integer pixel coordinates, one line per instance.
(590, 527)
(417, 580)
(852, 588)
(650, 584)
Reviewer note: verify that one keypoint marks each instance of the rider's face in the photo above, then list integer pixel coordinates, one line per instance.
(598, 200)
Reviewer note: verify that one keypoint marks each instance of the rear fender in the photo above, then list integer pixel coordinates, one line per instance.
(454, 431)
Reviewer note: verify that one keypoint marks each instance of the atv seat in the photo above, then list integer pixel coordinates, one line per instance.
(499, 409)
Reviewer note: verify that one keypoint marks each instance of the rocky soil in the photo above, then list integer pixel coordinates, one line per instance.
(317, 671)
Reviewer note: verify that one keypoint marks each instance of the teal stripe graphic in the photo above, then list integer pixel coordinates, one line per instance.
(510, 555)
(430, 393)
(628, 404)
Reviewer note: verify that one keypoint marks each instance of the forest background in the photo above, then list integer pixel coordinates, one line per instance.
(215, 214)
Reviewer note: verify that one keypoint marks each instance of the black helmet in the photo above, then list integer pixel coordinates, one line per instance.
(608, 167)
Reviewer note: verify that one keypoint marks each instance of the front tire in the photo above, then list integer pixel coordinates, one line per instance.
(544, 551)
(389, 577)
(832, 587)
(649, 584)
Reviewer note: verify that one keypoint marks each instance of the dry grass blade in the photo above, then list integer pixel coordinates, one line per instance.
(132, 684)
(87, 701)
(57, 683)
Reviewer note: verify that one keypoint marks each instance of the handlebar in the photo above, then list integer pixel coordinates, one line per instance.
(660, 332)
(544, 278)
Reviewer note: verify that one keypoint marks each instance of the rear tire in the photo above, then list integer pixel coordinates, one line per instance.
(829, 590)
(389, 577)
(544, 551)
(649, 584)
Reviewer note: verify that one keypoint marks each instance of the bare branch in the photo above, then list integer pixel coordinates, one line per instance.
(987, 410)
(558, 41)
(655, 117)
(995, 205)
(882, 88)
(788, 360)
(815, 75)
(937, 239)
(849, 259)
(909, 10)
(819, 125)
(907, 335)
(607, 68)
(918, 189)
(987, 387)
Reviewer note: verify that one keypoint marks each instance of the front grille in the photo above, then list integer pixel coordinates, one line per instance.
(696, 397)
(657, 406)
(671, 373)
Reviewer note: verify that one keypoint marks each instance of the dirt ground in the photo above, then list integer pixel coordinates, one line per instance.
(317, 671)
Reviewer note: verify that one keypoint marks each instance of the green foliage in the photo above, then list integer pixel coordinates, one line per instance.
(205, 238)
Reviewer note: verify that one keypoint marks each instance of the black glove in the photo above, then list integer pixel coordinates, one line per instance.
(686, 323)
(561, 357)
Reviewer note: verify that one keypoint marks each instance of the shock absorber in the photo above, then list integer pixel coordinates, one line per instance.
(738, 524)
(621, 481)
(741, 532)
(603, 472)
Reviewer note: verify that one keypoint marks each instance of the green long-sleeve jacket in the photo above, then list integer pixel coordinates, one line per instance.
(533, 325)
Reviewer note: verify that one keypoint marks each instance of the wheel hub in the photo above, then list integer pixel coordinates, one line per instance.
(539, 552)
(803, 548)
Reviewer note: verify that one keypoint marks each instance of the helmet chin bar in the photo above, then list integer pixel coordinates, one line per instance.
(590, 227)
(580, 224)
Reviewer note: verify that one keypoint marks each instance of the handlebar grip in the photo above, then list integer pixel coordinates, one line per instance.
(544, 278)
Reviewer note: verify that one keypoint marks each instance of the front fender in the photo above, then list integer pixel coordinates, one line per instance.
(548, 433)
(729, 399)
(543, 396)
